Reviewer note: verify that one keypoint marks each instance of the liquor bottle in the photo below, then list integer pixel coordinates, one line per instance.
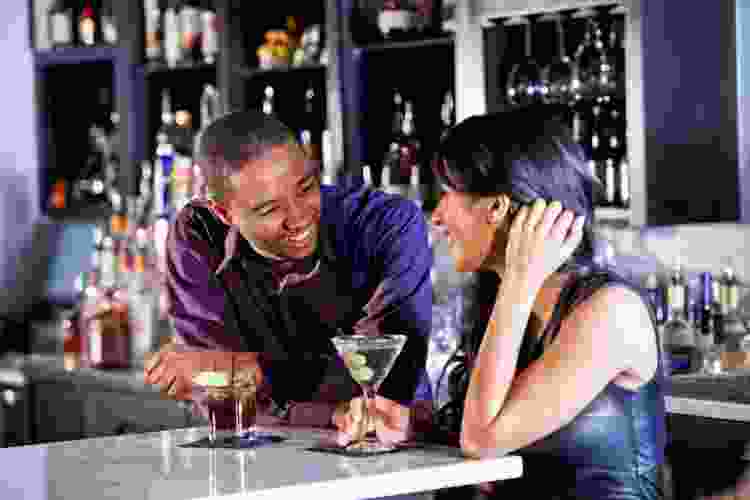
(90, 296)
(593, 144)
(165, 155)
(172, 36)
(108, 23)
(367, 176)
(705, 339)
(735, 333)
(152, 26)
(656, 298)
(190, 28)
(391, 178)
(729, 291)
(181, 189)
(410, 155)
(678, 291)
(610, 149)
(87, 25)
(268, 95)
(144, 300)
(678, 333)
(310, 133)
(209, 36)
(60, 24)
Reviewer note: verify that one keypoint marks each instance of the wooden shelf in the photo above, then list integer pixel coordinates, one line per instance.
(248, 73)
(446, 40)
(77, 55)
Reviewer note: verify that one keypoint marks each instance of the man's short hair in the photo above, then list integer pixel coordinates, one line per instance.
(236, 138)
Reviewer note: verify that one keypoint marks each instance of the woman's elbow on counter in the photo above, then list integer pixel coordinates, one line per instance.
(479, 444)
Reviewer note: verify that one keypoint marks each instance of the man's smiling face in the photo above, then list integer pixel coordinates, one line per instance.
(275, 202)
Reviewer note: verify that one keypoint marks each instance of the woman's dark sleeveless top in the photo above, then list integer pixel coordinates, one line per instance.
(613, 448)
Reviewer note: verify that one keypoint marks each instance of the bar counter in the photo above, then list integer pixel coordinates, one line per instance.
(725, 396)
(154, 466)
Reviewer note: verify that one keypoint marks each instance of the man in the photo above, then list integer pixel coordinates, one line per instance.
(271, 265)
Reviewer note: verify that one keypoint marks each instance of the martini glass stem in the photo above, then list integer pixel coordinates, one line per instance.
(368, 394)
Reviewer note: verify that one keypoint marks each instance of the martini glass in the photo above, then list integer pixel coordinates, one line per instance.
(369, 359)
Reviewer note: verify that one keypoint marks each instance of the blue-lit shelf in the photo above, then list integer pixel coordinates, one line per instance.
(77, 55)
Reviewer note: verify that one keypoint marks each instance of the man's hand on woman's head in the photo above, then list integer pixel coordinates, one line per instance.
(172, 368)
(390, 420)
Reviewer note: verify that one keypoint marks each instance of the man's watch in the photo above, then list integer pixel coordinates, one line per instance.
(280, 411)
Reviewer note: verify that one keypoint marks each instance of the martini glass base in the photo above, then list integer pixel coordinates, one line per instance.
(370, 446)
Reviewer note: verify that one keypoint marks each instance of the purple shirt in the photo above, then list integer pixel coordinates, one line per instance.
(374, 244)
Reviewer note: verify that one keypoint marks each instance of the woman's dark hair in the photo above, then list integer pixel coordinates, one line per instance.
(524, 153)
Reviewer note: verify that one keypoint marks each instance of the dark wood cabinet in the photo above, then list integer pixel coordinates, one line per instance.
(706, 456)
(109, 413)
(58, 412)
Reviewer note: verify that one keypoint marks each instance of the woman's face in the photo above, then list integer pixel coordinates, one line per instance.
(474, 239)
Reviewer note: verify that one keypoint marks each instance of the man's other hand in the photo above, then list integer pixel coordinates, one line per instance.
(173, 366)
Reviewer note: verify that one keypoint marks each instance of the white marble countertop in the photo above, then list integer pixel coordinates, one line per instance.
(706, 408)
(153, 466)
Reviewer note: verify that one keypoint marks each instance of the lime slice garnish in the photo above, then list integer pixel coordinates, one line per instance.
(362, 374)
(357, 360)
(211, 379)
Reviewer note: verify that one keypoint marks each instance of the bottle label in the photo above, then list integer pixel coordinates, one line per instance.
(189, 20)
(182, 182)
(109, 30)
(210, 38)
(87, 29)
(172, 48)
(676, 297)
(153, 40)
(62, 32)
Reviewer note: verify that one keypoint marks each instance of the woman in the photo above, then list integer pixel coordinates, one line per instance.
(567, 372)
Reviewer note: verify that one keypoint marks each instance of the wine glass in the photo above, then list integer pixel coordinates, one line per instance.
(369, 359)
(595, 68)
(559, 75)
(524, 80)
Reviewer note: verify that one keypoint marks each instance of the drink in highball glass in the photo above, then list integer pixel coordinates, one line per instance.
(229, 401)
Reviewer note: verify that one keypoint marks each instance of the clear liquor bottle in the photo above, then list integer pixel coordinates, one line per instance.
(153, 27)
(268, 100)
(311, 130)
(60, 24)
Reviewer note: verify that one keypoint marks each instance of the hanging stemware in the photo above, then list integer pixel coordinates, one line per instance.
(524, 80)
(558, 76)
(596, 71)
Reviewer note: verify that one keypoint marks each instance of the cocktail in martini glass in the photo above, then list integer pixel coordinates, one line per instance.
(369, 360)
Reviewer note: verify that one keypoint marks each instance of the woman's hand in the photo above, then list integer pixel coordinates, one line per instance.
(541, 238)
(389, 420)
